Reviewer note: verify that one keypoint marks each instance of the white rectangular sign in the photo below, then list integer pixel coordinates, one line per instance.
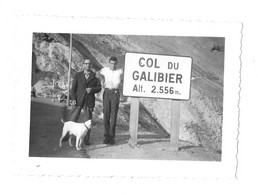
(157, 76)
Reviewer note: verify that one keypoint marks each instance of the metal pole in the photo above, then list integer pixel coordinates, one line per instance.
(69, 71)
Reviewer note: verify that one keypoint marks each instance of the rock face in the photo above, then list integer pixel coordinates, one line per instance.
(52, 58)
(201, 116)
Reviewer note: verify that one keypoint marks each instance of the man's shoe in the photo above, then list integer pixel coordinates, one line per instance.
(111, 141)
(87, 143)
(106, 141)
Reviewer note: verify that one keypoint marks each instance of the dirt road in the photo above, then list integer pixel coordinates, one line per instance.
(46, 128)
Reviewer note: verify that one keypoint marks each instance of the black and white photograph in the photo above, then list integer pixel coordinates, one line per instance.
(123, 96)
(129, 97)
(159, 101)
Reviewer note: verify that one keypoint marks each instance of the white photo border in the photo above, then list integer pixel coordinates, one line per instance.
(24, 165)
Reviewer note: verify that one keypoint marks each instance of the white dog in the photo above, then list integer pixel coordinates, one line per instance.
(77, 129)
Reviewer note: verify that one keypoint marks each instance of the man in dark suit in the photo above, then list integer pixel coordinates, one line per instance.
(85, 85)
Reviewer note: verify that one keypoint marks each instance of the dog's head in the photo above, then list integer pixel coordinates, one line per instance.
(90, 124)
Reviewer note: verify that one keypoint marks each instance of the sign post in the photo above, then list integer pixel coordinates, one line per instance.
(157, 76)
(174, 124)
(133, 125)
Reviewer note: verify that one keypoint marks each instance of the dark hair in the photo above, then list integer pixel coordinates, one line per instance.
(113, 58)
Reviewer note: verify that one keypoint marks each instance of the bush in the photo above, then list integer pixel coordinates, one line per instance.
(217, 47)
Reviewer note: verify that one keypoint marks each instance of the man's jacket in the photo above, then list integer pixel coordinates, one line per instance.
(79, 85)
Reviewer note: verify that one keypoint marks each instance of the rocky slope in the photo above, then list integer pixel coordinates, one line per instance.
(201, 116)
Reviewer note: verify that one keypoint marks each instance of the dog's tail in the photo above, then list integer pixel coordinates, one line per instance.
(62, 120)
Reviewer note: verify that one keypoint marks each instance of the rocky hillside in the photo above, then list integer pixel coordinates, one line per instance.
(201, 116)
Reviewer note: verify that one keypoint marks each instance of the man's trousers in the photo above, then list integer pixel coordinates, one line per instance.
(110, 109)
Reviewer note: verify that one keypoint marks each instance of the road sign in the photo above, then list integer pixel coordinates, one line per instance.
(157, 76)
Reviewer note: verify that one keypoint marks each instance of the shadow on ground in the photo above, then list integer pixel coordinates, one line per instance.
(46, 129)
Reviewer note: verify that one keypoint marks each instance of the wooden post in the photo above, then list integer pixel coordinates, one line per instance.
(69, 71)
(133, 124)
(174, 125)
